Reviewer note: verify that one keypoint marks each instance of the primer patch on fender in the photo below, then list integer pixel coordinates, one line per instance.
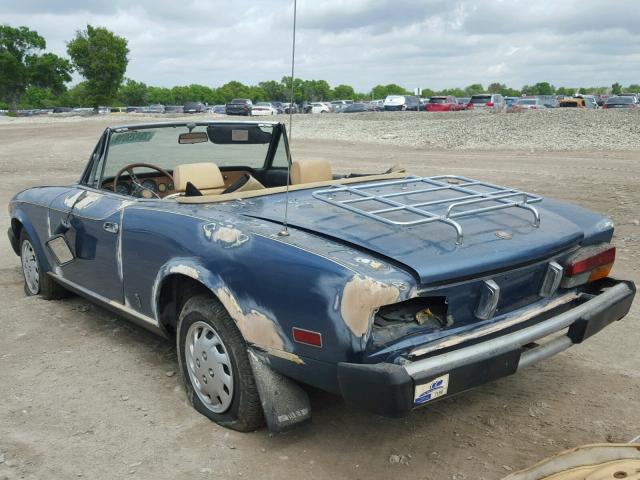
(430, 391)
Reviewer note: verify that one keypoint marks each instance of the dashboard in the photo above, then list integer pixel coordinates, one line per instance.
(155, 185)
(149, 186)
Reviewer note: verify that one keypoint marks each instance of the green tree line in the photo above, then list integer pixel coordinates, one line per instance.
(32, 78)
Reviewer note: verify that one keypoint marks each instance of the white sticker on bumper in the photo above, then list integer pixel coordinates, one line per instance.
(430, 391)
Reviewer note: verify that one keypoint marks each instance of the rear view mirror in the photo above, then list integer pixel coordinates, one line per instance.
(193, 137)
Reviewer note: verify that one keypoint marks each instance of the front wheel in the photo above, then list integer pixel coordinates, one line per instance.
(36, 281)
(215, 366)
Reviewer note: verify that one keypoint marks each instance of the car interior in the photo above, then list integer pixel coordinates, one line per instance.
(161, 176)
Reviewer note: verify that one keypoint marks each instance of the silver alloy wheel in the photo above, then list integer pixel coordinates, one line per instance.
(30, 268)
(209, 367)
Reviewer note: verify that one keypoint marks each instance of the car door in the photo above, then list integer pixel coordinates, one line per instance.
(91, 222)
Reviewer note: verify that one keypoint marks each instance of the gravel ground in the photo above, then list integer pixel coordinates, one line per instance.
(88, 395)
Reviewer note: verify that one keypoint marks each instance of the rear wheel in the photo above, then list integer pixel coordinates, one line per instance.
(36, 281)
(215, 366)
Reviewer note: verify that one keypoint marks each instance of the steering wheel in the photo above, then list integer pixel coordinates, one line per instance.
(129, 169)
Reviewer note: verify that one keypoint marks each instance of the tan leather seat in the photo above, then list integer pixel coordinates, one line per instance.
(310, 171)
(205, 176)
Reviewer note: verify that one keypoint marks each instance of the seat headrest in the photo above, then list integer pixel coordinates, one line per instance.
(204, 176)
(310, 171)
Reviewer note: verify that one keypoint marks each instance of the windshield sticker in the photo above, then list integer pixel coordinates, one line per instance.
(132, 137)
(430, 391)
(239, 135)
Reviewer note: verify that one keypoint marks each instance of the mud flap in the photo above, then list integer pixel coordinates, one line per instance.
(285, 403)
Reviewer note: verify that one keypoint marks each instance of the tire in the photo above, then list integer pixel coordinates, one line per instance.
(36, 281)
(238, 407)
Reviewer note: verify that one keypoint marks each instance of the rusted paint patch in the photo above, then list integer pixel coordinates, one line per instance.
(226, 235)
(360, 297)
(292, 357)
(370, 262)
(255, 326)
(185, 270)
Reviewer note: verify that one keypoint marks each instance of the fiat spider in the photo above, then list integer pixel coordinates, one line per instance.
(389, 289)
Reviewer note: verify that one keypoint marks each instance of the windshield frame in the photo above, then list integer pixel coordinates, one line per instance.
(100, 154)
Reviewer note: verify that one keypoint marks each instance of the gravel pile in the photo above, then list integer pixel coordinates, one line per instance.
(557, 129)
(553, 129)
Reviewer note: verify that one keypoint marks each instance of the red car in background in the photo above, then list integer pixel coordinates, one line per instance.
(446, 103)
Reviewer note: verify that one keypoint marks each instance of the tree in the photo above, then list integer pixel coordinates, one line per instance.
(22, 67)
(381, 91)
(273, 90)
(496, 87)
(344, 92)
(473, 89)
(633, 88)
(101, 57)
(133, 93)
(616, 88)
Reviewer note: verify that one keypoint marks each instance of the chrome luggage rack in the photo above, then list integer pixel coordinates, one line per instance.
(458, 197)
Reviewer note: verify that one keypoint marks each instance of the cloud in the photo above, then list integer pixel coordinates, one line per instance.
(427, 43)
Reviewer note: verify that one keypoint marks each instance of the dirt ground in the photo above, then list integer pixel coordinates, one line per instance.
(87, 395)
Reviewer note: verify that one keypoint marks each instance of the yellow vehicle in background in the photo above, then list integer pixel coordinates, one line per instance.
(575, 102)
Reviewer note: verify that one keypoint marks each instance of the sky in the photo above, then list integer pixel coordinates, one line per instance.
(414, 43)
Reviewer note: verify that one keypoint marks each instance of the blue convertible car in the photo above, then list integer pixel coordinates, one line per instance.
(389, 289)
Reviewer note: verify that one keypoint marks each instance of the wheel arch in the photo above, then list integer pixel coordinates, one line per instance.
(181, 278)
(20, 223)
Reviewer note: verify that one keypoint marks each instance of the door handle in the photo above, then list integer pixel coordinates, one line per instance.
(110, 227)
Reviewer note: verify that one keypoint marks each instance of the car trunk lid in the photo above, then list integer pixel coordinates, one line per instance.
(493, 240)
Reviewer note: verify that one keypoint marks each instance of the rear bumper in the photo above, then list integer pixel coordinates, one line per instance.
(395, 389)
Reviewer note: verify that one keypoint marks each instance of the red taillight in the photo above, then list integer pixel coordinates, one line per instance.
(589, 264)
(307, 337)
(489, 104)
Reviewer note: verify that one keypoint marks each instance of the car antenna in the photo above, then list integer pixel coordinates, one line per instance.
(285, 230)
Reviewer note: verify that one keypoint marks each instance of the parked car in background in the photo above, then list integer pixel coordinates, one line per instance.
(239, 106)
(446, 103)
(263, 108)
(278, 106)
(464, 102)
(376, 105)
(572, 103)
(621, 102)
(531, 103)
(356, 108)
(62, 110)
(193, 107)
(494, 101)
(130, 109)
(509, 101)
(173, 109)
(401, 102)
(290, 107)
(590, 101)
(156, 108)
(219, 109)
(320, 107)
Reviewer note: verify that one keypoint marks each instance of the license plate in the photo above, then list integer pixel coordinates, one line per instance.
(436, 388)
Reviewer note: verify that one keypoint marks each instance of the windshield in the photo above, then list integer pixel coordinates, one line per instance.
(527, 101)
(225, 144)
(620, 100)
(480, 99)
